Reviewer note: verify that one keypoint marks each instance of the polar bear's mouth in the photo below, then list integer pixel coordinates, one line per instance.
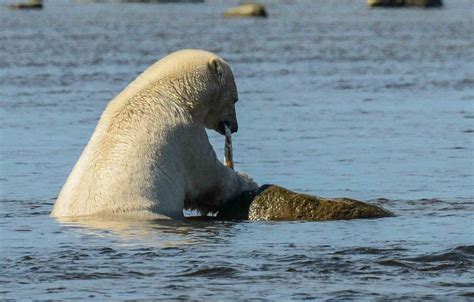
(222, 125)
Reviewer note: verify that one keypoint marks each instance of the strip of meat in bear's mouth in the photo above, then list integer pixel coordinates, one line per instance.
(228, 158)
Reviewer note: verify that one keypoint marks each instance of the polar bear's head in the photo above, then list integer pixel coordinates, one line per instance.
(221, 110)
(202, 83)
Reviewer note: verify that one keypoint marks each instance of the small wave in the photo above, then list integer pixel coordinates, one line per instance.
(393, 262)
(458, 254)
(427, 206)
(214, 272)
(139, 274)
(369, 251)
(459, 258)
(54, 290)
(469, 295)
(456, 284)
(91, 276)
(26, 258)
(107, 250)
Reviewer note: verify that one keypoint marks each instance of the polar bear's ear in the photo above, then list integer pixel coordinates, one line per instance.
(215, 65)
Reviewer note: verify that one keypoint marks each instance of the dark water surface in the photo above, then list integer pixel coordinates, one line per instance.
(335, 100)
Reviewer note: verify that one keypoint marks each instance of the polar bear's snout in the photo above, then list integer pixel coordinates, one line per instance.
(233, 126)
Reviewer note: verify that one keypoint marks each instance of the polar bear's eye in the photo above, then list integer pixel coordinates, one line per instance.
(235, 101)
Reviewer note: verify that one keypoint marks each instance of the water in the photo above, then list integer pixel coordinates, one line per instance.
(335, 100)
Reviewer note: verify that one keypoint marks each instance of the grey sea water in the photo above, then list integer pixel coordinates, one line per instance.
(335, 100)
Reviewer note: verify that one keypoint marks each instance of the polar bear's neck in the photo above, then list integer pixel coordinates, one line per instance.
(181, 86)
(176, 97)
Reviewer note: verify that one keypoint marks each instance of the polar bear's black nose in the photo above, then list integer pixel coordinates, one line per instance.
(232, 126)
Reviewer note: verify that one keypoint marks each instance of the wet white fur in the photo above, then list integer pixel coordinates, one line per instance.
(150, 151)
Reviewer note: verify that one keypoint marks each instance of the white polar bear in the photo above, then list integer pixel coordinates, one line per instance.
(150, 153)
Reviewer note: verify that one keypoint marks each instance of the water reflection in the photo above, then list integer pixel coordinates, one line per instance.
(155, 232)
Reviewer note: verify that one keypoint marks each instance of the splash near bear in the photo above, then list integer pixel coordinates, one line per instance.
(150, 154)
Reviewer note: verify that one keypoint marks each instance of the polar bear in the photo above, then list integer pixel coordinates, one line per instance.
(150, 154)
